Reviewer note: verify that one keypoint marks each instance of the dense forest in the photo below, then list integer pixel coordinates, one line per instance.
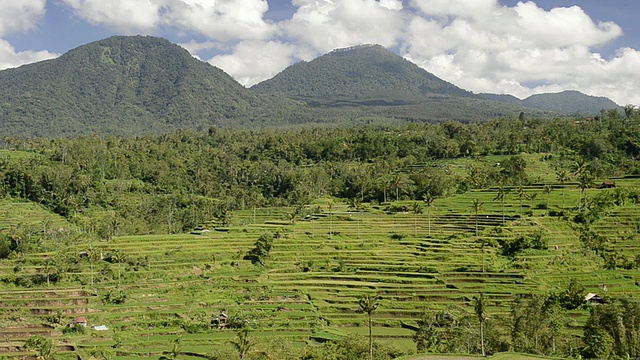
(175, 181)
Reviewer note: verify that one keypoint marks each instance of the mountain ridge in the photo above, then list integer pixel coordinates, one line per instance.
(132, 85)
(150, 83)
(567, 101)
(323, 77)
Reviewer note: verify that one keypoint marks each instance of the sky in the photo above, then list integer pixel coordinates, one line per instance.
(497, 46)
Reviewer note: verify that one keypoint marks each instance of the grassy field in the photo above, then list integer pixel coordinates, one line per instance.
(316, 271)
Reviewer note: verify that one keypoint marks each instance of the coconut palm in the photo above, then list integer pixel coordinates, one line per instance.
(501, 196)
(368, 305)
(522, 194)
(243, 342)
(476, 205)
(416, 209)
(562, 176)
(479, 308)
(428, 200)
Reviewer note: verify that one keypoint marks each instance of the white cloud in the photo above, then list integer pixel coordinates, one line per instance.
(486, 47)
(17, 16)
(456, 8)
(127, 16)
(325, 25)
(20, 15)
(254, 61)
(222, 20)
(316, 27)
(9, 58)
(195, 47)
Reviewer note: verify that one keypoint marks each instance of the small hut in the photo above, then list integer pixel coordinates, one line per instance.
(607, 185)
(592, 298)
(79, 321)
(221, 320)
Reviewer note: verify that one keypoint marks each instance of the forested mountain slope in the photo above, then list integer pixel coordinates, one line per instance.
(374, 80)
(359, 73)
(134, 85)
(120, 85)
(568, 102)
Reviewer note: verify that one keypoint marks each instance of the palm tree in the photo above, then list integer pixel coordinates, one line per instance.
(428, 200)
(585, 181)
(581, 171)
(243, 342)
(501, 196)
(118, 258)
(562, 176)
(293, 217)
(41, 345)
(416, 209)
(521, 195)
(476, 205)
(532, 198)
(480, 310)
(399, 182)
(176, 348)
(356, 204)
(92, 256)
(368, 305)
(330, 205)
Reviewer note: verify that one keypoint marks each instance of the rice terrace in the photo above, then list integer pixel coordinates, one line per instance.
(505, 238)
(352, 207)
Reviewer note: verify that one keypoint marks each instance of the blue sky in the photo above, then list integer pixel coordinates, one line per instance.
(506, 46)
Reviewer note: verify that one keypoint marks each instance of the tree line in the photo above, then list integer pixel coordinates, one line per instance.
(173, 182)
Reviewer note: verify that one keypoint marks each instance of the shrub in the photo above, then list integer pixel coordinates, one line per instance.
(74, 329)
(116, 297)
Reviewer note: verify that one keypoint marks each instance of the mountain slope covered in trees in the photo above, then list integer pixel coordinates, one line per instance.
(121, 85)
(568, 102)
(374, 80)
(362, 73)
(132, 85)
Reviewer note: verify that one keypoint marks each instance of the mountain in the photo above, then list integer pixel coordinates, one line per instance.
(372, 76)
(567, 102)
(572, 102)
(361, 74)
(132, 85)
(376, 82)
(120, 85)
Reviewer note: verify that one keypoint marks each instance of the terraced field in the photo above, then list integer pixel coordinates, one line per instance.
(174, 285)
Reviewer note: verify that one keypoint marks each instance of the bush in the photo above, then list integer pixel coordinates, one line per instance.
(511, 247)
(116, 297)
(74, 329)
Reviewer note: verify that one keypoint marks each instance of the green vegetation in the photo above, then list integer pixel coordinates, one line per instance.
(129, 86)
(274, 243)
(123, 86)
(571, 102)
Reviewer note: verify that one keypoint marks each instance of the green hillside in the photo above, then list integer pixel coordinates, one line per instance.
(120, 85)
(134, 85)
(570, 102)
(289, 232)
(373, 80)
(360, 74)
(567, 102)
